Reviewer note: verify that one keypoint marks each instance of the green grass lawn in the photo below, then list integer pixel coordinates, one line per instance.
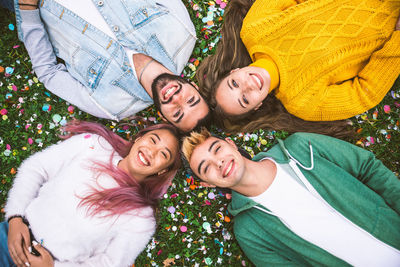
(194, 227)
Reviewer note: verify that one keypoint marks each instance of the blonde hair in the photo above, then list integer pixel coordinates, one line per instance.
(191, 142)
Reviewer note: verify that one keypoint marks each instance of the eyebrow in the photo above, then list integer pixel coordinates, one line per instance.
(195, 103)
(211, 146)
(180, 118)
(209, 150)
(240, 103)
(227, 82)
(156, 135)
(169, 151)
(201, 164)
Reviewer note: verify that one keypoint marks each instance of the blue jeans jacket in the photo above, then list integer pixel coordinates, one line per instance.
(100, 63)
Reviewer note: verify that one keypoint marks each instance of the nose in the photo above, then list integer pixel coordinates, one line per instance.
(176, 98)
(247, 85)
(220, 163)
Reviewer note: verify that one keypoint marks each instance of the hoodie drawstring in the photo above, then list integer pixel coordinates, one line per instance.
(301, 165)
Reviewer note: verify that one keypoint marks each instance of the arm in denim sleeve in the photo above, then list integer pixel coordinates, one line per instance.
(55, 77)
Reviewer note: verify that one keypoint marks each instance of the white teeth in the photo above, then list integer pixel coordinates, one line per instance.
(257, 80)
(229, 168)
(142, 159)
(169, 92)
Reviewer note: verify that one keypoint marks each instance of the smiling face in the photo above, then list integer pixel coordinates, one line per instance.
(151, 153)
(218, 162)
(243, 90)
(178, 101)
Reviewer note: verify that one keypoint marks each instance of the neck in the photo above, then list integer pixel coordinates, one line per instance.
(257, 178)
(148, 72)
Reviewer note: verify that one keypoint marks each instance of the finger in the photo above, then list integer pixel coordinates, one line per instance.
(31, 257)
(14, 256)
(27, 238)
(20, 254)
(39, 248)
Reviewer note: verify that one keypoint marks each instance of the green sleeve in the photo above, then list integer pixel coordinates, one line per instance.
(357, 161)
(257, 250)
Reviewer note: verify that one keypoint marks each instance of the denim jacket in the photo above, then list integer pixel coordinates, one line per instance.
(100, 63)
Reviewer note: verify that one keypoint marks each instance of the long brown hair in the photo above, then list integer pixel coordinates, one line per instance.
(272, 115)
(230, 52)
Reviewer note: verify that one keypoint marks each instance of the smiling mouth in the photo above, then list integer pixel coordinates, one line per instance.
(168, 91)
(143, 159)
(258, 80)
(228, 169)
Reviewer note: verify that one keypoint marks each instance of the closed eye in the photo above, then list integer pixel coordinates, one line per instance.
(216, 150)
(164, 154)
(177, 114)
(191, 100)
(152, 139)
(205, 170)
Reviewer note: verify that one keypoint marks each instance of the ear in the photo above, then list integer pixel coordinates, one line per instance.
(162, 117)
(232, 71)
(258, 106)
(204, 184)
(229, 141)
(162, 172)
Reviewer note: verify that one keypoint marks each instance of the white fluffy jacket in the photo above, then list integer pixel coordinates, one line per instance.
(47, 190)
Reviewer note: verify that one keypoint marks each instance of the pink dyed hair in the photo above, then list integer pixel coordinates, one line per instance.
(130, 194)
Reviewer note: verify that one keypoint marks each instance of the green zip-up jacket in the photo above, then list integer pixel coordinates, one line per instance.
(349, 178)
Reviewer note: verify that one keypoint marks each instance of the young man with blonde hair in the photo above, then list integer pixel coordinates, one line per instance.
(310, 200)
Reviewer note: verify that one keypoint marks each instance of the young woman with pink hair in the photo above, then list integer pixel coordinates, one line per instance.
(90, 199)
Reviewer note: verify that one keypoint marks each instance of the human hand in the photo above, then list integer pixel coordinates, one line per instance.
(18, 240)
(43, 260)
(28, 4)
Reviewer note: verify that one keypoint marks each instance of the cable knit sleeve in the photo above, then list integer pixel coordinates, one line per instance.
(260, 12)
(131, 237)
(37, 170)
(363, 92)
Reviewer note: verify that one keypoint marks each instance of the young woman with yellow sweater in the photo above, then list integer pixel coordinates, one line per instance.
(320, 61)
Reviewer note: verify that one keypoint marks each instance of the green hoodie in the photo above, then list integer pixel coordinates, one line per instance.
(349, 178)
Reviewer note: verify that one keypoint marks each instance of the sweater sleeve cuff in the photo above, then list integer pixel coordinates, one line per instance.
(31, 16)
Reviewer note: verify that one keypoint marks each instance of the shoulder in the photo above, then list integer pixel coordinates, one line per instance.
(300, 139)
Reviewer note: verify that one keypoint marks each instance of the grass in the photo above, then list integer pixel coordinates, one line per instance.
(194, 227)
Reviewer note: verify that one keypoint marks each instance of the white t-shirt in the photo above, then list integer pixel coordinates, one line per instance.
(317, 222)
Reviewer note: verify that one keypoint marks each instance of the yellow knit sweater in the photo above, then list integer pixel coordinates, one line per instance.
(335, 58)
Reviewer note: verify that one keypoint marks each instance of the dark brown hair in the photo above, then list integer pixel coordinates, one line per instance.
(272, 115)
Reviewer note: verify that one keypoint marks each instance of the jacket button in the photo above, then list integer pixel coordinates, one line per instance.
(100, 3)
(115, 28)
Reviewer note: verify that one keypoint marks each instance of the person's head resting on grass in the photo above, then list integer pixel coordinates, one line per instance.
(180, 103)
(217, 162)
